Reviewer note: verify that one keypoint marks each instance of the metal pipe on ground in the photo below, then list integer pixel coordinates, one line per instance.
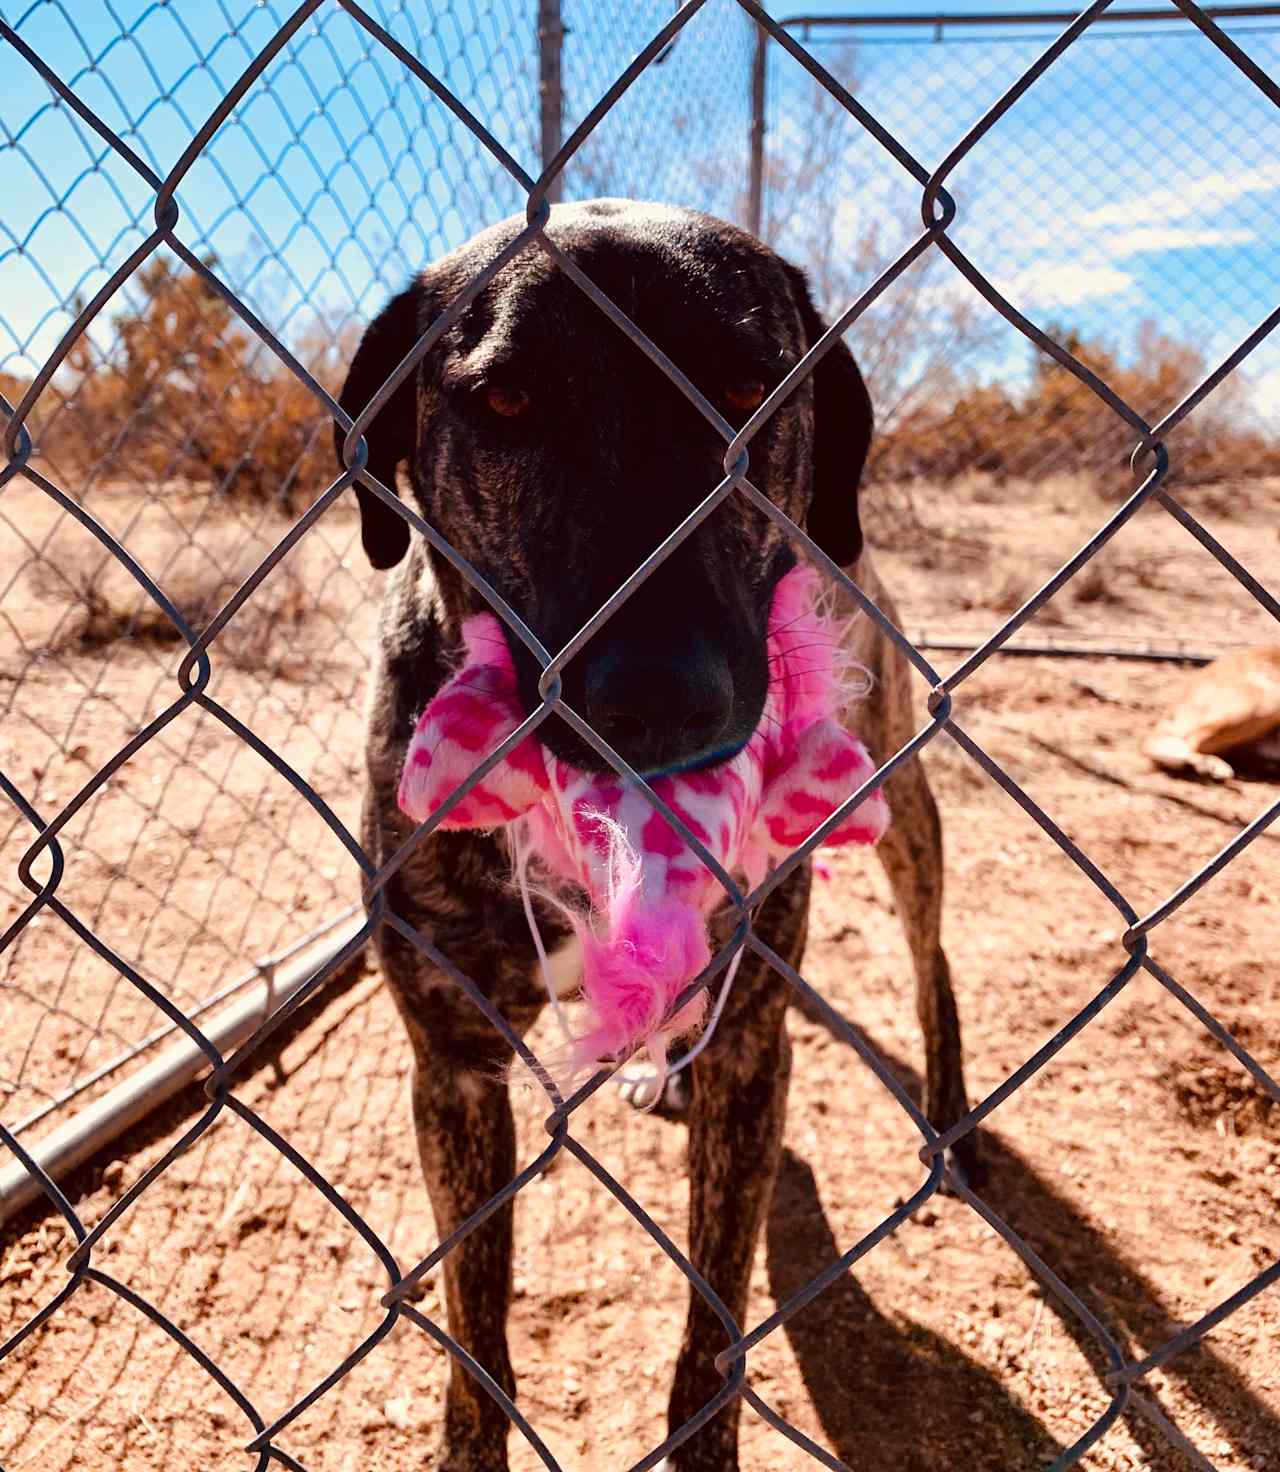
(92, 1129)
(1073, 651)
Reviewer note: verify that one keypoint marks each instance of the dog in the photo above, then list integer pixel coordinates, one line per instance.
(1226, 719)
(554, 456)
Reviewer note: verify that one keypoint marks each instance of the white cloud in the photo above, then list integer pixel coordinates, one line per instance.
(1169, 237)
(1212, 191)
(1063, 284)
(1119, 245)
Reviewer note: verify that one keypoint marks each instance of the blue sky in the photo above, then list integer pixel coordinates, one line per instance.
(1139, 180)
(328, 186)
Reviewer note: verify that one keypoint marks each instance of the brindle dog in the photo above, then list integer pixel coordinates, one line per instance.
(555, 456)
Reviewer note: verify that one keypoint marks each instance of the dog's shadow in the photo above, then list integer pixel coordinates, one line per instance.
(888, 1395)
(891, 1394)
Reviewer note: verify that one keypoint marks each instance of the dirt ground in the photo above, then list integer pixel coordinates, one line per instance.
(1141, 1163)
(196, 859)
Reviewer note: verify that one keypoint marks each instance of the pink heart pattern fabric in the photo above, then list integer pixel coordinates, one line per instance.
(644, 936)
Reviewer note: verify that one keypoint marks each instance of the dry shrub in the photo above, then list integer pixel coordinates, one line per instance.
(1235, 496)
(1111, 576)
(1056, 424)
(94, 603)
(1092, 585)
(1009, 593)
(916, 515)
(188, 393)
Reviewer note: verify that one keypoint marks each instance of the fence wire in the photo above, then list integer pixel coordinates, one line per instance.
(190, 706)
(1135, 230)
(184, 435)
(318, 198)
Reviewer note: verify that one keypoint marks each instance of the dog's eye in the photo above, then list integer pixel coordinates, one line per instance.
(745, 393)
(507, 400)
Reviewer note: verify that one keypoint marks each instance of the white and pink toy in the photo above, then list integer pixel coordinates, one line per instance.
(645, 935)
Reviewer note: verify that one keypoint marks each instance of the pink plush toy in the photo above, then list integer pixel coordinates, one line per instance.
(650, 894)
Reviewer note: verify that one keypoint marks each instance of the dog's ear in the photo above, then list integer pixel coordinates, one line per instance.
(842, 423)
(393, 433)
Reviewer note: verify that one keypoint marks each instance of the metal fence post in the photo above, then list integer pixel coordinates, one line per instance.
(550, 91)
(755, 185)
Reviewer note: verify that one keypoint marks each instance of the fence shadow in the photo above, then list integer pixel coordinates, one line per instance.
(851, 1356)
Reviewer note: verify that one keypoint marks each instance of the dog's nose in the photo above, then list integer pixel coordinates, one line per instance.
(660, 712)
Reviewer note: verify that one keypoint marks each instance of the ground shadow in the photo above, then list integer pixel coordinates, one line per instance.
(888, 1394)
(880, 1388)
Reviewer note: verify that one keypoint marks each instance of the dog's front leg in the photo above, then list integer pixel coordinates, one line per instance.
(462, 1113)
(445, 890)
(739, 1089)
(466, 1141)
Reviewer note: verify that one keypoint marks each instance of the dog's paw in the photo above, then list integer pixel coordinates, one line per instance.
(1176, 755)
(637, 1083)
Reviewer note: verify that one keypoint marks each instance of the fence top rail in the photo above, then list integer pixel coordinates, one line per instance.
(938, 20)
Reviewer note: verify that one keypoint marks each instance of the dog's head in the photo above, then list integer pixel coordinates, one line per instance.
(555, 457)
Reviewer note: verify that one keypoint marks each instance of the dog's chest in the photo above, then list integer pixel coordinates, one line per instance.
(564, 967)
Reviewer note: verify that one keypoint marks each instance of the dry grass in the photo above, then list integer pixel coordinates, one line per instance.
(94, 603)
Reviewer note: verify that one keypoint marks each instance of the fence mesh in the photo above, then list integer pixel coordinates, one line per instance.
(240, 188)
(1122, 207)
(335, 179)
(180, 431)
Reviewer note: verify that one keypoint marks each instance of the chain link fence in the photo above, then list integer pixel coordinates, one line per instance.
(320, 196)
(1141, 255)
(222, 195)
(177, 428)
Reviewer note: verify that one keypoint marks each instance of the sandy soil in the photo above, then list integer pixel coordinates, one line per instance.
(196, 859)
(1141, 1163)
